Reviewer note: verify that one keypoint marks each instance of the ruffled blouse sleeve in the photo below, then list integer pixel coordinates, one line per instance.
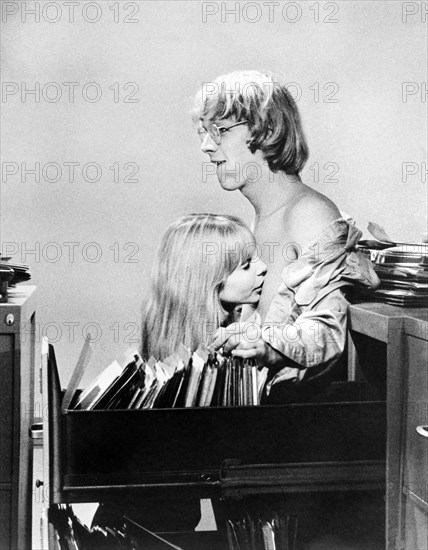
(306, 321)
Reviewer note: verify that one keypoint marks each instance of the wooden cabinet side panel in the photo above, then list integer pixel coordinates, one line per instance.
(395, 398)
(6, 405)
(23, 452)
(414, 450)
(415, 445)
(5, 531)
(415, 521)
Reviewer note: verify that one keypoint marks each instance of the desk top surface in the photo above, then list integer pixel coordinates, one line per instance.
(387, 310)
(379, 321)
(17, 295)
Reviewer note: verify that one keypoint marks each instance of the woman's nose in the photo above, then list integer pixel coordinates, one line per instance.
(261, 268)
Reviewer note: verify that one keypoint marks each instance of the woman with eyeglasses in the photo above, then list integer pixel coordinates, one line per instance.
(251, 130)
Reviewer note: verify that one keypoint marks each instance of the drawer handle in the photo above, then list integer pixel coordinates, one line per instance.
(36, 431)
(422, 430)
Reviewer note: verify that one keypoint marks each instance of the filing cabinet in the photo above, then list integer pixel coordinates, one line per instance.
(391, 343)
(232, 452)
(415, 446)
(17, 355)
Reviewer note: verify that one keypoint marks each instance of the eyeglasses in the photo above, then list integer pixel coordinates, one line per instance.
(216, 132)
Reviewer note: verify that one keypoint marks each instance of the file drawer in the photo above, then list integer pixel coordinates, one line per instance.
(416, 420)
(415, 521)
(97, 455)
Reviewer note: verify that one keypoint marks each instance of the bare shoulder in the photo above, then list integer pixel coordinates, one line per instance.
(310, 214)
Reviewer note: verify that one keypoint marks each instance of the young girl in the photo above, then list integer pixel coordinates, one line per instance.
(206, 267)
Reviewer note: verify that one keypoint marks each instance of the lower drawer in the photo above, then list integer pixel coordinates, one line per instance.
(416, 419)
(415, 522)
(5, 513)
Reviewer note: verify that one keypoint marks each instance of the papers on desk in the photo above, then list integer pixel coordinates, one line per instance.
(20, 272)
(202, 379)
(403, 273)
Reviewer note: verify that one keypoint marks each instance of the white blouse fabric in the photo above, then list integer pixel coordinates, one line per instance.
(306, 321)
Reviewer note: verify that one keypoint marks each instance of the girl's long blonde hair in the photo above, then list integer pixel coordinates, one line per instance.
(197, 254)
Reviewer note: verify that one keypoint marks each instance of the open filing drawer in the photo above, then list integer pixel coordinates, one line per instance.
(208, 452)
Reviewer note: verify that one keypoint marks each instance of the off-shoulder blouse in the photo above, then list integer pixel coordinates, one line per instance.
(306, 320)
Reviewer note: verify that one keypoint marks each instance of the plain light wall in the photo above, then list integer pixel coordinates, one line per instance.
(372, 49)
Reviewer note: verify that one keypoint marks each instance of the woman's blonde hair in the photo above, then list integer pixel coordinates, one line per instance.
(196, 255)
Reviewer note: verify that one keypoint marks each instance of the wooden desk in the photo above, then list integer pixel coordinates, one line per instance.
(396, 339)
(163, 453)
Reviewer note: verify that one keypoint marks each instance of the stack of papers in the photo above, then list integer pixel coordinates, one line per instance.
(403, 273)
(21, 272)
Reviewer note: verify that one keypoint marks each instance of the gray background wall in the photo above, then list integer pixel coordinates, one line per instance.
(366, 52)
